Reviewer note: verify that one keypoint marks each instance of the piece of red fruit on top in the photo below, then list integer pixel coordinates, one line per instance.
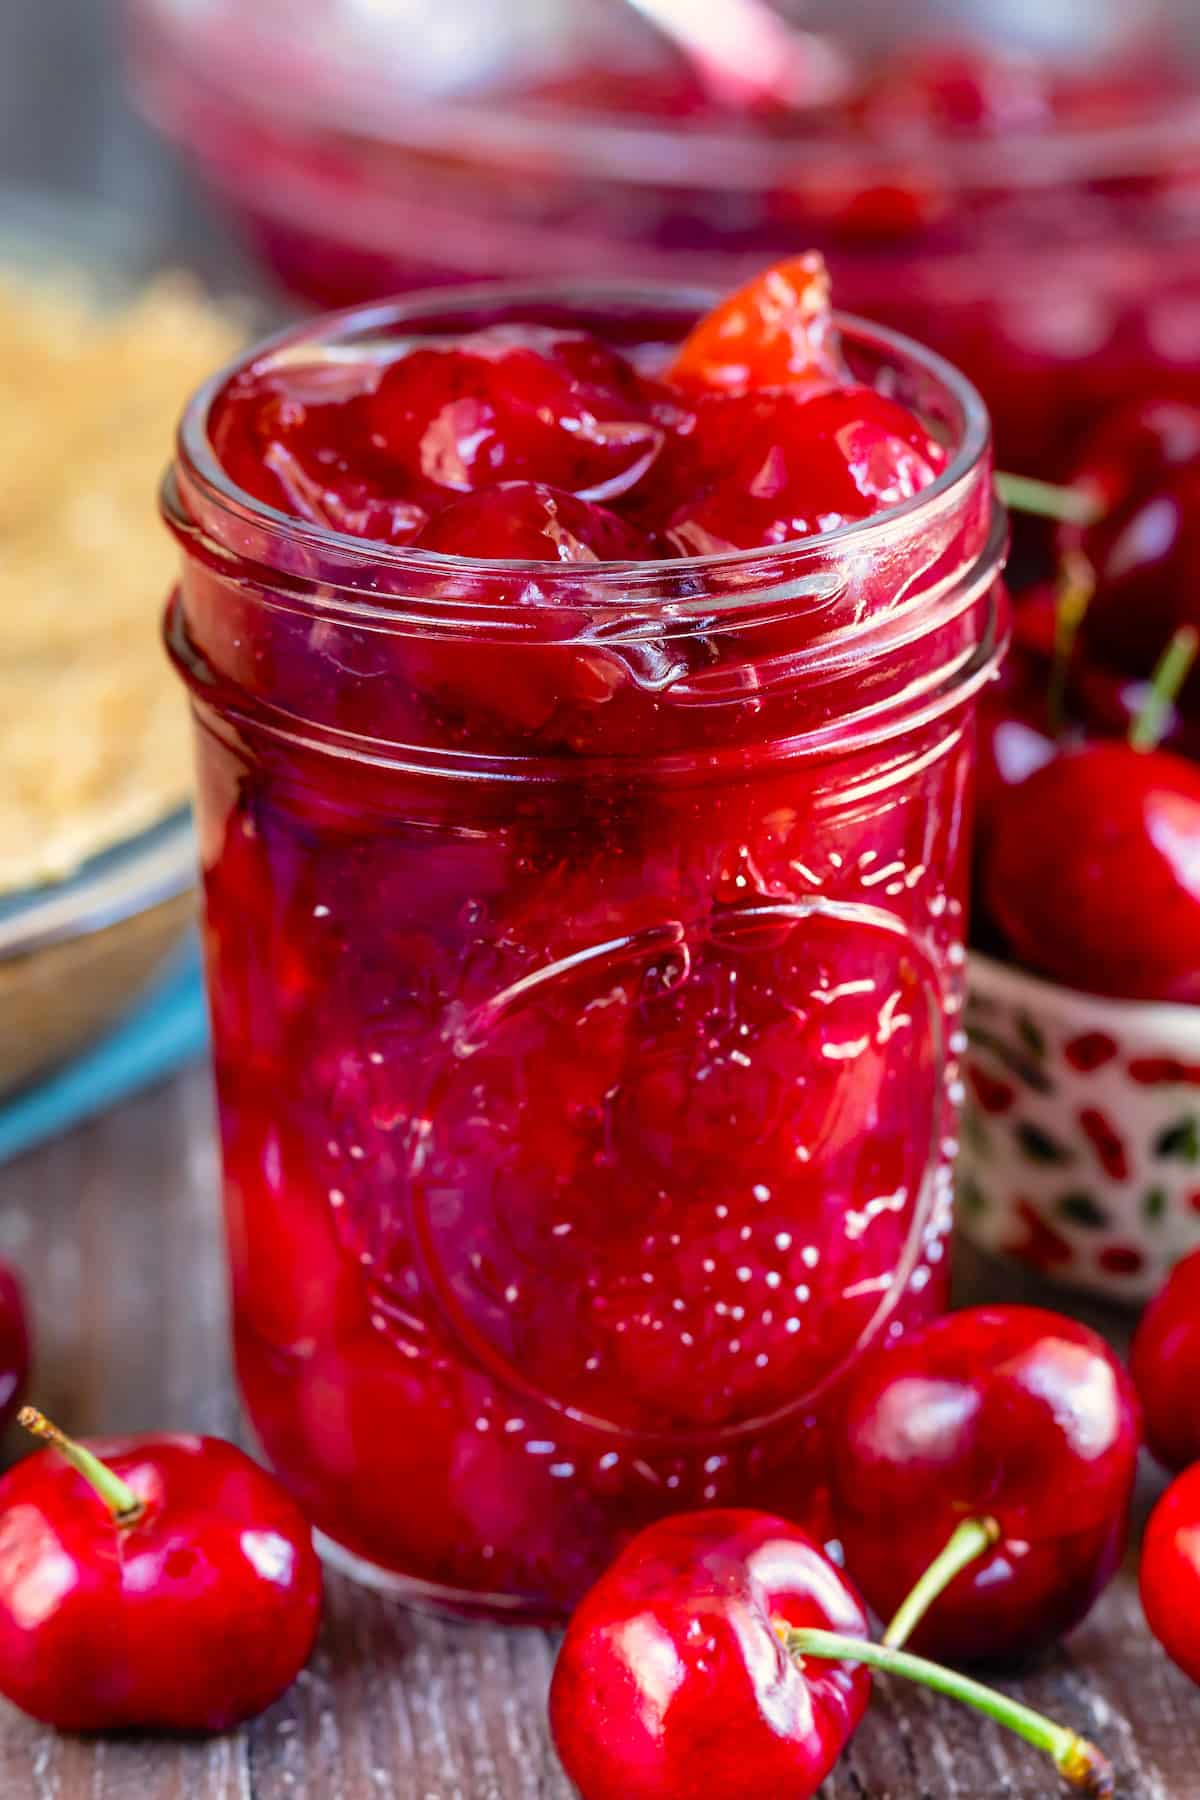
(529, 521)
(1092, 872)
(519, 402)
(777, 332)
(300, 447)
(793, 466)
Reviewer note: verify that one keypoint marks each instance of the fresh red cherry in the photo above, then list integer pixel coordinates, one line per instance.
(1135, 448)
(1006, 1414)
(1092, 872)
(1170, 1572)
(794, 465)
(724, 1654)
(673, 1677)
(519, 402)
(1165, 1362)
(776, 332)
(1146, 556)
(1013, 732)
(526, 521)
(173, 1586)
(14, 1343)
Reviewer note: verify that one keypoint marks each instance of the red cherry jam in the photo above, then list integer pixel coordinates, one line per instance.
(583, 917)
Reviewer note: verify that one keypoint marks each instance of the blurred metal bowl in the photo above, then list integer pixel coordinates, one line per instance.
(75, 955)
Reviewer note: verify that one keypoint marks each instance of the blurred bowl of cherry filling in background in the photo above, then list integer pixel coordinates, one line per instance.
(1018, 186)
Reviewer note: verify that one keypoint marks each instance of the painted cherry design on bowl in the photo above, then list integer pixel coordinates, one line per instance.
(176, 1585)
(1010, 1432)
(724, 1654)
(1170, 1572)
(1165, 1362)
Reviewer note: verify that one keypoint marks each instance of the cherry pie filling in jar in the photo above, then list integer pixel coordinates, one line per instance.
(585, 752)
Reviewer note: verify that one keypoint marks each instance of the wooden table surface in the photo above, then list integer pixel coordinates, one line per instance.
(116, 1228)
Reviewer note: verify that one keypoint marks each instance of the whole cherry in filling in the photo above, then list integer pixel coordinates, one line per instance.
(1166, 1366)
(754, 434)
(1011, 1430)
(724, 1654)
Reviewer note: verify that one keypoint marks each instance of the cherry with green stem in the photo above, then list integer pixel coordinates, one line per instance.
(1089, 870)
(725, 1654)
(1080, 1763)
(982, 1479)
(966, 1544)
(1073, 595)
(1064, 505)
(151, 1557)
(1166, 684)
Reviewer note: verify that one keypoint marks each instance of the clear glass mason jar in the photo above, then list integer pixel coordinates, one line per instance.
(585, 953)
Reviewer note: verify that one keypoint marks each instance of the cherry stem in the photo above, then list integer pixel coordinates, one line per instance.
(116, 1494)
(1076, 586)
(1048, 499)
(1080, 1763)
(966, 1546)
(1174, 666)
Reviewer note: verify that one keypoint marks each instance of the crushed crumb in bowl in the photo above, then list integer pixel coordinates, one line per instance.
(94, 742)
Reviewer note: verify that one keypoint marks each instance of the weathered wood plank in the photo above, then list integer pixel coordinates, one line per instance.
(117, 1229)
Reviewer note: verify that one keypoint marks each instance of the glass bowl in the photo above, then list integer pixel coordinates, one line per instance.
(366, 148)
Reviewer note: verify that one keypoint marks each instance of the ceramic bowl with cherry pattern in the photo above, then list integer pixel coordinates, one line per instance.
(1081, 1131)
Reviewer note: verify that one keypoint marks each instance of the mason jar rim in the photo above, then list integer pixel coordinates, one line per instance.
(605, 581)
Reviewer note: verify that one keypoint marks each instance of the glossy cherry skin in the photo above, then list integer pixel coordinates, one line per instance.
(672, 1679)
(14, 1343)
(785, 466)
(1092, 872)
(1005, 1412)
(1013, 727)
(194, 1617)
(1170, 1572)
(1165, 1362)
(527, 521)
(1147, 561)
(519, 402)
(1134, 448)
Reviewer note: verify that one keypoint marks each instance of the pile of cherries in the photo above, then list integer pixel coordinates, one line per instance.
(1089, 794)
(982, 1493)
